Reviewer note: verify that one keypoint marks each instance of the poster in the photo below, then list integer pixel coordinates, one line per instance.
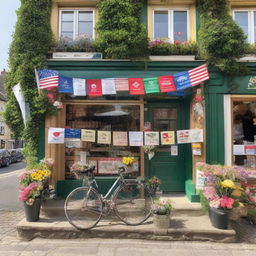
(166, 84)
(136, 139)
(151, 138)
(72, 143)
(151, 85)
(122, 84)
(79, 87)
(120, 139)
(200, 179)
(238, 150)
(108, 86)
(183, 136)
(196, 135)
(167, 137)
(88, 135)
(104, 137)
(72, 133)
(174, 150)
(56, 135)
(109, 165)
(196, 149)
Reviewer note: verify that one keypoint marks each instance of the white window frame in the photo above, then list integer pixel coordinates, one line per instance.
(250, 39)
(171, 24)
(75, 25)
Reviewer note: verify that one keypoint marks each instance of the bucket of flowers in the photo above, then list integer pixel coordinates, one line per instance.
(32, 183)
(128, 163)
(161, 210)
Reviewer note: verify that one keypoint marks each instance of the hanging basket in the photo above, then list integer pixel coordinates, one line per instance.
(32, 212)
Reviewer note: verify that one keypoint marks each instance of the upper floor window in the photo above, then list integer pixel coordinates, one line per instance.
(247, 21)
(171, 25)
(74, 23)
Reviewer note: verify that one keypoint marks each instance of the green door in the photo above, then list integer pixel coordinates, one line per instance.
(170, 168)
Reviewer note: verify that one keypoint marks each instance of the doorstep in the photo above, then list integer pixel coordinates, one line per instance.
(196, 228)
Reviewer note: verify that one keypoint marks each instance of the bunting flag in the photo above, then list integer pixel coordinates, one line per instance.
(47, 78)
(136, 86)
(94, 87)
(108, 86)
(122, 84)
(79, 87)
(88, 135)
(104, 137)
(198, 75)
(166, 84)
(151, 85)
(120, 139)
(56, 135)
(65, 84)
(71, 133)
(182, 80)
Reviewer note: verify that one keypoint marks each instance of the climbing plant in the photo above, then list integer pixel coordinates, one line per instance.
(221, 41)
(120, 31)
(31, 42)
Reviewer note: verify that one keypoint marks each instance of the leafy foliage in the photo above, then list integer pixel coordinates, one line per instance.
(221, 40)
(121, 33)
(31, 42)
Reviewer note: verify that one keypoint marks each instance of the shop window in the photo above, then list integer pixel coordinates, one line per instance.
(246, 19)
(171, 25)
(244, 133)
(75, 23)
(112, 118)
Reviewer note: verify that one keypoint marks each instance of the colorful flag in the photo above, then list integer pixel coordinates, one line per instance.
(120, 139)
(151, 85)
(167, 138)
(65, 84)
(151, 138)
(108, 86)
(94, 87)
(79, 87)
(88, 135)
(182, 80)
(47, 78)
(104, 137)
(56, 135)
(166, 84)
(136, 86)
(198, 75)
(122, 84)
(72, 133)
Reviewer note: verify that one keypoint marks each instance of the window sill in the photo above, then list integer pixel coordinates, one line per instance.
(248, 58)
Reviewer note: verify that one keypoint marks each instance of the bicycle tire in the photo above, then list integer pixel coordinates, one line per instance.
(83, 208)
(133, 203)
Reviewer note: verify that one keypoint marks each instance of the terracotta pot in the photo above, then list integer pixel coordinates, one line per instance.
(162, 221)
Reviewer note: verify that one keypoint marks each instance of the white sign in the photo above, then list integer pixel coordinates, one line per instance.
(136, 139)
(79, 87)
(174, 150)
(72, 143)
(238, 150)
(56, 135)
(190, 136)
(200, 179)
(151, 138)
(108, 86)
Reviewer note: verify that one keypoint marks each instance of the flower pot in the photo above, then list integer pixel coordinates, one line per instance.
(162, 221)
(32, 212)
(219, 218)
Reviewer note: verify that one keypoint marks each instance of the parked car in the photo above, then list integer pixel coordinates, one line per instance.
(5, 157)
(16, 155)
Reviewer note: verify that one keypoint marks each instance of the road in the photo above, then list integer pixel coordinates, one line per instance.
(9, 187)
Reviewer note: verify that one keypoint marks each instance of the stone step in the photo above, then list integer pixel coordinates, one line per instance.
(193, 228)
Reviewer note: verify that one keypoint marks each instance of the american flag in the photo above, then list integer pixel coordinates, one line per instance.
(47, 78)
(198, 75)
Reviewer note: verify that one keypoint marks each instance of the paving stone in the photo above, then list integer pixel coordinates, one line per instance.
(244, 253)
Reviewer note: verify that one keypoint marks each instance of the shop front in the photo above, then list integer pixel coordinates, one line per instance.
(118, 115)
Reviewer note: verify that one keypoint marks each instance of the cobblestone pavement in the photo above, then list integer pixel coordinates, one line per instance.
(11, 246)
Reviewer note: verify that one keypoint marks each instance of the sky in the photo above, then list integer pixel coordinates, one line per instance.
(7, 24)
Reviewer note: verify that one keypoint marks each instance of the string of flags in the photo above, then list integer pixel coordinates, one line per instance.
(123, 138)
(50, 79)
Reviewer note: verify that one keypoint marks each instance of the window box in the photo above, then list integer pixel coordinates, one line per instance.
(77, 55)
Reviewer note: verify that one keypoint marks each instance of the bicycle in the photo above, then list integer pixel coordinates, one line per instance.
(129, 199)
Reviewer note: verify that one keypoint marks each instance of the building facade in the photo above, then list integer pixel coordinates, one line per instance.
(210, 106)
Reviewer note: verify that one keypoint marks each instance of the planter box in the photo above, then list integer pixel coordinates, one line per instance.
(172, 58)
(248, 58)
(77, 55)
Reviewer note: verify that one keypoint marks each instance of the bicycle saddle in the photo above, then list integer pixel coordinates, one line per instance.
(89, 170)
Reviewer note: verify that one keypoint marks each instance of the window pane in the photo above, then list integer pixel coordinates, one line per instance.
(67, 25)
(161, 24)
(85, 16)
(180, 26)
(242, 20)
(67, 16)
(85, 23)
(67, 35)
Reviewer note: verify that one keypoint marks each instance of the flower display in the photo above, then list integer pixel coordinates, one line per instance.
(153, 183)
(128, 160)
(162, 206)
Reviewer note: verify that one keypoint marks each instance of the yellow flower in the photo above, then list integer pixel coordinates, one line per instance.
(241, 204)
(228, 184)
(128, 160)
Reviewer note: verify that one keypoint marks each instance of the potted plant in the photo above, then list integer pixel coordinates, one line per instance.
(153, 184)
(32, 183)
(128, 163)
(161, 210)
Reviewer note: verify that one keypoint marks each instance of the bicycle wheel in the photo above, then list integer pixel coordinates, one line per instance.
(132, 203)
(83, 207)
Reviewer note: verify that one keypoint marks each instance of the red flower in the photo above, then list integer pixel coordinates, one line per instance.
(176, 42)
(226, 202)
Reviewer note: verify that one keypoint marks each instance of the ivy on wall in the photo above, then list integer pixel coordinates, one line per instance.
(32, 40)
(221, 41)
(121, 34)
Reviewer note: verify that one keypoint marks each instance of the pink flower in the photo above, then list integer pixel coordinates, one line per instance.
(215, 203)
(226, 202)
(210, 193)
(176, 42)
